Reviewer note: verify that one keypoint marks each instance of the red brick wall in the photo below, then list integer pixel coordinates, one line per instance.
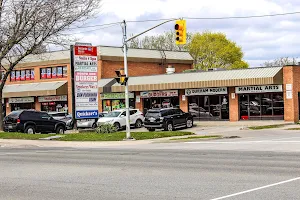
(233, 106)
(184, 105)
(291, 75)
(137, 68)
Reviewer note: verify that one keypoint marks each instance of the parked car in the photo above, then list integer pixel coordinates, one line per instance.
(167, 119)
(118, 118)
(58, 115)
(89, 123)
(69, 121)
(31, 121)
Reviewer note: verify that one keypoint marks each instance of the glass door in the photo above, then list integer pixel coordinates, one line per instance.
(254, 106)
(244, 102)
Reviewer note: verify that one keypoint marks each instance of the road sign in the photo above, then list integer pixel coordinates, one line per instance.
(86, 82)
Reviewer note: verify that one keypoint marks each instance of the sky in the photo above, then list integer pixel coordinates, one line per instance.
(261, 39)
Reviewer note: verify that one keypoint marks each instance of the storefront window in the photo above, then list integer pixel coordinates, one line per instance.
(22, 75)
(213, 107)
(110, 105)
(160, 102)
(261, 106)
(53, 72)
(56, 106)
(22, 106)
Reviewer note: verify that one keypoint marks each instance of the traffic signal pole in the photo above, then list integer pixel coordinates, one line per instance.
(125, 40)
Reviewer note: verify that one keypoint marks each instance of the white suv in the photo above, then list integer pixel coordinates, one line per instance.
(118, 119)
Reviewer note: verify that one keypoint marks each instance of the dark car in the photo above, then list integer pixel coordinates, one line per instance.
(31, 121)
(167, 119)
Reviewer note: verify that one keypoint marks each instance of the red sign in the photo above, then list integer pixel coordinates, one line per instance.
(85, 50)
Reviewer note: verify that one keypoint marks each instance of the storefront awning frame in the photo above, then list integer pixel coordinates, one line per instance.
(36, 89)
(228, 78)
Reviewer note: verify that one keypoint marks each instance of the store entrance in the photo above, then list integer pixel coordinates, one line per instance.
(261, 106)
(214, 107)
(160, 102)
(22, 106)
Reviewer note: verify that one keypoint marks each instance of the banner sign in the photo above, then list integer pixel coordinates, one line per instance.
(32, 74)
(86, 82)
(21, 100)
(13, 76)
(53, 72)
(53, 98)
(48, 72)
(116, 96)
(206, 91)
(17, 75)
(165, 93)
(258, 89)
(27, 74)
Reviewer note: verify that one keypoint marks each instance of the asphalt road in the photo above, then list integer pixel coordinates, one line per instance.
(58, 173)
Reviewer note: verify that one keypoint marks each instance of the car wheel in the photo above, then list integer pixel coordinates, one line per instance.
(94, 126)
(29, 130)
(138, 123)
(117, 126)
(169, 127)
(151, 129)
(189, 123)
(60, 130)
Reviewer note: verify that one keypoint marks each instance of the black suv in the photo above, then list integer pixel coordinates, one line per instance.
(167, 119)
(31, 121)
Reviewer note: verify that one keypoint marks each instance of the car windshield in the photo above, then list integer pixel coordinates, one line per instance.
(113, 114)
(15, 114)
(153, 114)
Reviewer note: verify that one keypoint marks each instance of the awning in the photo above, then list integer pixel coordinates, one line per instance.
(226, 78)
(36, 89)
(104, 85)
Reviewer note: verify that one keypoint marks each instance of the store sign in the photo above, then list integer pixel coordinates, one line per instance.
(116, 95)
(21, 100)
(53, 98)
(206, 91)
(86, 82)
(165, 93)
(258, 89)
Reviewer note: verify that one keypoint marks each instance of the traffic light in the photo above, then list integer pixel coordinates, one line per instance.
(180, 32)
(121, 77)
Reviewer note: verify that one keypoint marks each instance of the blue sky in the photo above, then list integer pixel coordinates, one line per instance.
(262, 39)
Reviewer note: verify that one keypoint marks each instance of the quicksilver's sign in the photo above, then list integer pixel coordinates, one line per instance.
(258, 89)
(206, 91)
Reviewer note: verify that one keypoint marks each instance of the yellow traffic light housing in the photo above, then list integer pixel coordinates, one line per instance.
(180, 32)
(121, 77)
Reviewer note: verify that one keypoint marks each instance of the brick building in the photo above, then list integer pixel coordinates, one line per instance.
(43, 82)
(244, 94)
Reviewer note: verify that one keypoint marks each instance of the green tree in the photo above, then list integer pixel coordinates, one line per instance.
(165, 41)
(214, 50)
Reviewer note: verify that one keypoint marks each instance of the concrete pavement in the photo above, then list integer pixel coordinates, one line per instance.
(68, 173)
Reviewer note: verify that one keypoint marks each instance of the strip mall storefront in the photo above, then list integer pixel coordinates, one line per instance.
(208, 103)
(260, 102)
(266, 93)
(159, 99)
(21, 103)
(54, 103)
(114, 101)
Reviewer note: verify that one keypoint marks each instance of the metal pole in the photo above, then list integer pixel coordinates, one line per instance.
(126, 86)
(73, 87)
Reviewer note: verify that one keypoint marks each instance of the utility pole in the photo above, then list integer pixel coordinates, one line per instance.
(128, 136)
(125, 40)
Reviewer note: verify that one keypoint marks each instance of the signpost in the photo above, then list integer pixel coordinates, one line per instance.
(84, 65)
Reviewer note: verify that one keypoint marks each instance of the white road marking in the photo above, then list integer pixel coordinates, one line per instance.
(244, 142)
(255, 189)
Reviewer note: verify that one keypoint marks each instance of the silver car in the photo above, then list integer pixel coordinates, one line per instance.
(89, 123)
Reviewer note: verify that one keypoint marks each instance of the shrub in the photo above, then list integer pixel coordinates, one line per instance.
(106, 128)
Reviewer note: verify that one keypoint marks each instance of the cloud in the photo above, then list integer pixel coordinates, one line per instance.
(261, 39)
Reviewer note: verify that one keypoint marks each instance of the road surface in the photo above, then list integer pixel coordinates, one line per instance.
(120, 173)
